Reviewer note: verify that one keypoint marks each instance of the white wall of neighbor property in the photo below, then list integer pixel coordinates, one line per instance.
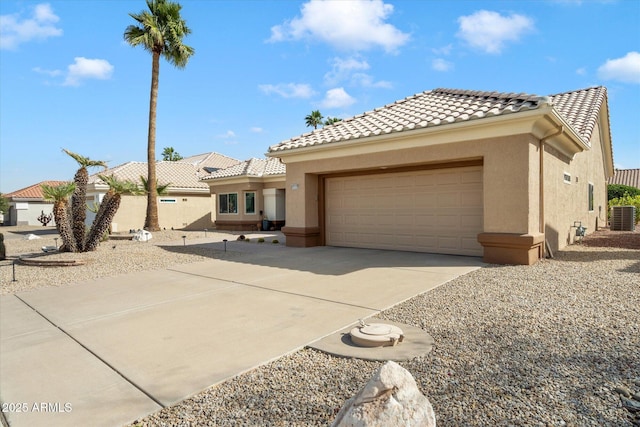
(27, 213)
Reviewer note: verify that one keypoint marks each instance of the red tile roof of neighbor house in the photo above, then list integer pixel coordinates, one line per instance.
(252, 167)
(33, 192)
(185, 173)
(630, 177)
(440, 107)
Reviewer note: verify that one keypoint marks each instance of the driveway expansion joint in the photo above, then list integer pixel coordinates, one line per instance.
(280, 291)
(97, 356)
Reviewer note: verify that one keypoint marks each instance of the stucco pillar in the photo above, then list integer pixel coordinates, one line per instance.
(302, 228)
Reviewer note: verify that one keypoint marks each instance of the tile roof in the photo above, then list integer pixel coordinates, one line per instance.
(185, 173)
(210, 160)
(630, 177)
(440, 107)
(32, 192)
(176, 174)
(252, 167)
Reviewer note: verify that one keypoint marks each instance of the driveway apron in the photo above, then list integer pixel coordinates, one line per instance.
(109, 351)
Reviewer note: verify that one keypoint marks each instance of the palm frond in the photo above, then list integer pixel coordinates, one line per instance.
(59, 192)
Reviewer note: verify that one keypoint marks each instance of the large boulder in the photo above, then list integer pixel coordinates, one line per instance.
(390, 398)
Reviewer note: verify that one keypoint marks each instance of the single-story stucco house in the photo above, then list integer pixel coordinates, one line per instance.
(28, 204)
(501, 175)
(187, 203)
(249, 193)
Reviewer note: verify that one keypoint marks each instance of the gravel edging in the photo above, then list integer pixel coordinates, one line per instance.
(547, 344)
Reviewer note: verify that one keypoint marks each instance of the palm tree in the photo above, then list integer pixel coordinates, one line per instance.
(108, 208)
(331, 120)
(314, 119)
(60, 197)
(159, 31)
(162, 190)
(78, 200)
(171, 155)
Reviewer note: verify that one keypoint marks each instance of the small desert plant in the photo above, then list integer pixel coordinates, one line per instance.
(261, 240)
(275, 241)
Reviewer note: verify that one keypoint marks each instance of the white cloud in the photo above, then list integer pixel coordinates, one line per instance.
(490, 31)
(341, 69)
(289, 90)
(51, 73)
(349, 69)
(440, 64)
(365, 80)
(85, 68)
(625, 69)
(347, 25)
(257, 129)
(337, 98)
(581, 71)
(41, 25)
(228, 134)
(444, 50)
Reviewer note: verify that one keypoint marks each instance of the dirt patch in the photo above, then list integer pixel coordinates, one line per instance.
(606, 238)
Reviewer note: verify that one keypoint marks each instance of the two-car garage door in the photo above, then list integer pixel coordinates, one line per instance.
(437, 210)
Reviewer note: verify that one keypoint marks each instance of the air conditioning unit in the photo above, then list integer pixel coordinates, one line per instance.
(623, 218)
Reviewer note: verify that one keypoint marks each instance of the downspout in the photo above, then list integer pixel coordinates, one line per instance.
(542, 224)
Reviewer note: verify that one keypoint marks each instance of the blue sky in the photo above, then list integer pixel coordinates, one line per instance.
(68, 80)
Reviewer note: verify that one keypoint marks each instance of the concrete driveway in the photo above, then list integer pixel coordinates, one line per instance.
(109, 351)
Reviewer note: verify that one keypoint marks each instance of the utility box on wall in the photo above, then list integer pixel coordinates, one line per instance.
(623, 218)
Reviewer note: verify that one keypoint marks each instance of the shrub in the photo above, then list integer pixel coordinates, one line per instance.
(261, 240)
(617, 191)
(275, 241)
(627, 200)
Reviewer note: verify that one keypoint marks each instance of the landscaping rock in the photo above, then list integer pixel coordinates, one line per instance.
(390, 398)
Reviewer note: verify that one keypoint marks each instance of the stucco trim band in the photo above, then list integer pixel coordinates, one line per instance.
(302, 237)
(511, 248)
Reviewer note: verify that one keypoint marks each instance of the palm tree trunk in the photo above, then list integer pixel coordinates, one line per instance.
(79, 207)
(63, 224)
(98, 219)
(151, 221)
(100, 226)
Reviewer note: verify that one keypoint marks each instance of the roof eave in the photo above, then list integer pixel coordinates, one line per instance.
(490, 127)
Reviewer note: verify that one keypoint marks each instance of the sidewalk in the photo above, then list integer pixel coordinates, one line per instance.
(115, 349)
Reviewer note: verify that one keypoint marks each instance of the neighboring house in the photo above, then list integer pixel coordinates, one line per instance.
(27, 204)
(498, 175)
(248, 193)
(186, 205)
(630, 177)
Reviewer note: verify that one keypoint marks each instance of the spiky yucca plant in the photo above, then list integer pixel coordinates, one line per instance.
(78, 200)
(60, 197)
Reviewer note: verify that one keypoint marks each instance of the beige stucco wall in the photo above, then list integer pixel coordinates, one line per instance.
(240, 189)
(508, 207)
(189, 211)
(566, 203)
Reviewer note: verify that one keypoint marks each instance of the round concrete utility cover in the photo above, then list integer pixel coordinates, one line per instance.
(417, 342)
(376, 335)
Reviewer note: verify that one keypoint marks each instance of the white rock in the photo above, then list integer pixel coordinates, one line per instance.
(390, 398)
(31, 236)
(142, 236)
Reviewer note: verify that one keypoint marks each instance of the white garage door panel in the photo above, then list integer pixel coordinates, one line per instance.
(425, 211)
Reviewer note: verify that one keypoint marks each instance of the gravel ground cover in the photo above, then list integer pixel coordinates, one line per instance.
(554, 344)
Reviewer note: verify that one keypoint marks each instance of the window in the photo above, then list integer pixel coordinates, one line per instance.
(228, 203)
(590, 197)
(567, 178)
(250, 202)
